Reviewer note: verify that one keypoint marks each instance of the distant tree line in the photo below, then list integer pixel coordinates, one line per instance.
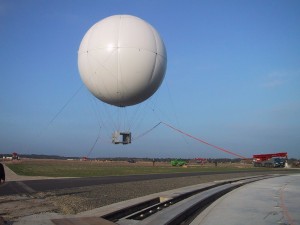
(41, 156)
(136, 159)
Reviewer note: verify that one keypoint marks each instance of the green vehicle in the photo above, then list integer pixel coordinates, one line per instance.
(178, 162)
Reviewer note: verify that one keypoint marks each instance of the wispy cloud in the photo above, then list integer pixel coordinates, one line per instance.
(273, 83)
(275, 79)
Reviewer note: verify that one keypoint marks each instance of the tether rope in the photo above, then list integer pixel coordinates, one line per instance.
(190, 136)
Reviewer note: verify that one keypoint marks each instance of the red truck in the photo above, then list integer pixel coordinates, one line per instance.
(270, 160)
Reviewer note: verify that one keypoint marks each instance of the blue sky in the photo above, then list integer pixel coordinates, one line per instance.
(233, 79)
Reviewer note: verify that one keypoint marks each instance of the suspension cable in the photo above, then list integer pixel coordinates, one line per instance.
(204, 142)
(190, 136)
(64, 106)
(93, 146)
(148, 131)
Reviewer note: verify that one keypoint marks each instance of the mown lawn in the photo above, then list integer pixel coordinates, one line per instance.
(63, 168)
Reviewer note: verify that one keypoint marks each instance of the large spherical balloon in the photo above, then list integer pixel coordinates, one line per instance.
(122, 60)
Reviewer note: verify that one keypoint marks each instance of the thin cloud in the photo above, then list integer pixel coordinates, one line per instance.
(275, 80)
(273, 83)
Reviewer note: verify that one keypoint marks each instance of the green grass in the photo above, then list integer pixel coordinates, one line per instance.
(88, 169)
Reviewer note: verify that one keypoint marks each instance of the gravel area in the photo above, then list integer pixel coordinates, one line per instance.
(75, 200)
(87, 198)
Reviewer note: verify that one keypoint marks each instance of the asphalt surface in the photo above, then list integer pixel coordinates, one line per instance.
(266, 202)
(32, 186)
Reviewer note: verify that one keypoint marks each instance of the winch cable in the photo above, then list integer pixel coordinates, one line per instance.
(93, 146)
(190, 136)
(64, 106)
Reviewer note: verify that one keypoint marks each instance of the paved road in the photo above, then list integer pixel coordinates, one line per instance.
(32, 186)
(266, 202)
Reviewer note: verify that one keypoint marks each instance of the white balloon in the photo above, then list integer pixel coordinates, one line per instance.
(122, 60)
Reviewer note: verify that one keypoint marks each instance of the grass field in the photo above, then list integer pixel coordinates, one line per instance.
(64, 168)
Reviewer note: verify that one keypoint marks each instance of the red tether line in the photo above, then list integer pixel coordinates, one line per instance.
(204, 142)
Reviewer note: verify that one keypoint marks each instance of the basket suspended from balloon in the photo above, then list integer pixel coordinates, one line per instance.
(121, 137)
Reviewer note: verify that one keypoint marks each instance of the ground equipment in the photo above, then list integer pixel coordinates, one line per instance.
(272, 160)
